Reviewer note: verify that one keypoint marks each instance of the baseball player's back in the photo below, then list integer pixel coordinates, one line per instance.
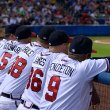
(68, 85)
(18, 74)
(9, 53)
(34, 88)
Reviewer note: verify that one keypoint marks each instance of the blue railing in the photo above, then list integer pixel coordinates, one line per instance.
(103, 78)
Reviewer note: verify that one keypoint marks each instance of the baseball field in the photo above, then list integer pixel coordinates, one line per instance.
(102, 45)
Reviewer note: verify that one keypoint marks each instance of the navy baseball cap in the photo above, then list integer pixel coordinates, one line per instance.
(81, 45)
(10, 29)
(45, 32)
(58, 37)
(23, 32)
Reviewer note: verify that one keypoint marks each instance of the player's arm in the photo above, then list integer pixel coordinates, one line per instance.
(94, 67)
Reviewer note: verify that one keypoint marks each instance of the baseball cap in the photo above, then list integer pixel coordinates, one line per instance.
(58, 37)
(10, 29)
(81, 45)
(23, 32)
(45, 33)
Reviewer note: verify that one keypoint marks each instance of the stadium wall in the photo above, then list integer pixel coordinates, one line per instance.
(88, 30)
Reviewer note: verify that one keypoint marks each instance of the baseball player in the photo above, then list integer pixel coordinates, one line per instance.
(8, 33)
(8, 51)
(33, 91)
(15, 82)
(68, 82)
(23, 34)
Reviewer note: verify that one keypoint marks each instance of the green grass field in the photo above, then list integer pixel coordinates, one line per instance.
(102, 49)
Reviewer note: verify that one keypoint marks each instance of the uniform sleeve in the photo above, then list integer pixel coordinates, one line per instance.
(94, 67)
(108, 65)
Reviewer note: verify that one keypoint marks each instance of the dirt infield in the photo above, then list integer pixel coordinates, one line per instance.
(102, 41)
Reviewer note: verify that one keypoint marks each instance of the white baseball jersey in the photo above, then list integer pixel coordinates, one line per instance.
(18, 75)
(34, 88)
(9, 53)
(68, 83)
(2, 43)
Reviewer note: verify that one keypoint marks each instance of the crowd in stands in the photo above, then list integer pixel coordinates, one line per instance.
(54, 12)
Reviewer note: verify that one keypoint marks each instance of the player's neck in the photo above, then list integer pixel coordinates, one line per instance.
(45, 45)
(56, 49)
(24, 41)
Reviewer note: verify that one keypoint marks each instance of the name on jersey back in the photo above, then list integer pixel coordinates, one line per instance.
(8, 46)
(28, 51)
(11, 47)
(40, 61)
(61, 68)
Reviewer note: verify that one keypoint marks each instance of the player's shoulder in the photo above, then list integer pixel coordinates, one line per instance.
(45, 53)
(30, 50)
(3, 40)
(29, 45)
(12, 42)
(18, 47)
(88, 61)
(9, 45)
(92, 62)
(57, 57)
(60, 55)
(35, 44)
(45, 50)
(2, 43)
